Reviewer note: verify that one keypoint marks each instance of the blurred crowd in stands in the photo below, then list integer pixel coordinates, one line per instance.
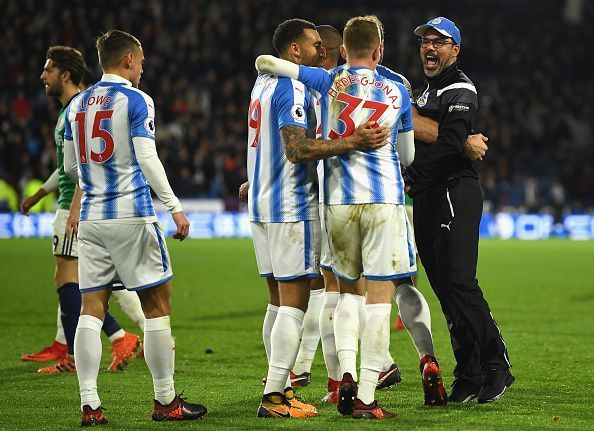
(528, 60)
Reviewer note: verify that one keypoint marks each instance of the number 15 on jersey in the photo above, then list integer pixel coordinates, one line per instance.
(98, 131)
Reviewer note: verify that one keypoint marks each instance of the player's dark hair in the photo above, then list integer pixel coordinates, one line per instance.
(362, 34)
(89, 78)
(67, 59)
(331, 41)
(113, 45)
(289, 31)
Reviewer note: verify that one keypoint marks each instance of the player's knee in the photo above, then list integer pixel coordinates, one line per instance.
(62, 277)
(93, 307)
(155, 302)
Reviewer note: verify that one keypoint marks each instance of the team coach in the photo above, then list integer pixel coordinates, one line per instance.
(448, 203)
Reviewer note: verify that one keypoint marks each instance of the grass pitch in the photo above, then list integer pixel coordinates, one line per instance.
(541, 293)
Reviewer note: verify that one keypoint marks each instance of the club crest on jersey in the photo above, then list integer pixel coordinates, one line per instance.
(422, 99)
(298, 113)
(149, 125)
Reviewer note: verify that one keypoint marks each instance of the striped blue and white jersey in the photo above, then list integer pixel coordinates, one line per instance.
(386, 72)
(101, 121)
(280, 191)
(348, 98)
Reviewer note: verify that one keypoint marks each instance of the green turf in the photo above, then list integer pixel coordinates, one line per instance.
(541, 293)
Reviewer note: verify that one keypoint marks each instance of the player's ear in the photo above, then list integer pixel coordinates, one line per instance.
(376, 55)
(128, 59)
(455, 50)
(66, 75)
(294, 49)
(343, 52)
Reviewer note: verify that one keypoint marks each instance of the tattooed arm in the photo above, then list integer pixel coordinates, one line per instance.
(299, 148)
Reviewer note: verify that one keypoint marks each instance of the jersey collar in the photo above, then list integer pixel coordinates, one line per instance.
(112, 77)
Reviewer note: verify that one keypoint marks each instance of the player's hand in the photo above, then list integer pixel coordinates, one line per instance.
(72, 222)
(183, 225)
(31, 201)
(370, 136)
(475, 147)
(243, 192)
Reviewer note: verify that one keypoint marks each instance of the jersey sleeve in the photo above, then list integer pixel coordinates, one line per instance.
(291, 100)
(457, 114)
(458, 111)
(317, 78)
(386, 72)
(142, 116)
(406, 121)
(67, 127)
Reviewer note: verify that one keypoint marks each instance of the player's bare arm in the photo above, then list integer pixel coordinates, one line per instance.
(425, 128)
(300, 148)
(74, 215)
(31, 201)
(50, 185)
(475, 146)
(243, 192)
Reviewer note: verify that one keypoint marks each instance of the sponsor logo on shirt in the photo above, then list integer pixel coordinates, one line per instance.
(298, 113)
(149, 126)
(461, 108)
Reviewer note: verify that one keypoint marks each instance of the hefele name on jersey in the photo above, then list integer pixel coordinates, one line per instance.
(385, 87)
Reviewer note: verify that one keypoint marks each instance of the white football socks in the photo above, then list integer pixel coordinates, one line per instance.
(159, 355)
(130, 304)
(416, 316)
(269, 318)
(311, 332)
(60, 337)
(388, 361)
(327, 335)
(284, 342)
(346, 332)
(362, 314)
(87, 355)
(374, 344)
(117, 335)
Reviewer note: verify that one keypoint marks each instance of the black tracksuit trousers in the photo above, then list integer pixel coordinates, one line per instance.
(446, 222)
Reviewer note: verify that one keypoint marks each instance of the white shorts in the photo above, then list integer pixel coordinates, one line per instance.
(409, 216)
(287, 250)
(373, 239)
(135, 254)
(63, 245)
(325, 255)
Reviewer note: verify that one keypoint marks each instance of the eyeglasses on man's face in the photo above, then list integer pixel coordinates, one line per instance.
(437, 43)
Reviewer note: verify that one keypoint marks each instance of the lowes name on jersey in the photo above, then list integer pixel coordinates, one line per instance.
(102, 100)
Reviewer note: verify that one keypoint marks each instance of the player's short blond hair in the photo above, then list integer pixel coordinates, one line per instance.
(361, 35)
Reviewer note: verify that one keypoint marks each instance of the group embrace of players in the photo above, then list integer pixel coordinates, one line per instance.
(325, 192)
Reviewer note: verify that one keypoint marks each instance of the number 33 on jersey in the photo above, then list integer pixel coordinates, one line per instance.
(102, 121)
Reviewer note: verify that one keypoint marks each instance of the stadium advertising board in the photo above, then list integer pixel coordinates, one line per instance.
(228, 225)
